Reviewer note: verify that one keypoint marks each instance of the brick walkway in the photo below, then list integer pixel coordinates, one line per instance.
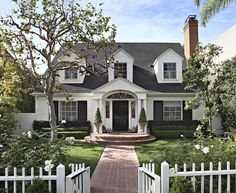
(117, 171)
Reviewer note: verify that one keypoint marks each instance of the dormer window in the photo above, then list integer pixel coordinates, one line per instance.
(120, 70)
(71, 73)
(169, 70)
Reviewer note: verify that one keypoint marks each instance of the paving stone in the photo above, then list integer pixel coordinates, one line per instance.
(117, 171)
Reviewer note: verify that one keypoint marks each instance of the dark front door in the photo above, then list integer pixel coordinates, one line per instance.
(120, 116)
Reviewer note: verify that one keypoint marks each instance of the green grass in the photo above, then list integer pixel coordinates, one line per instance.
(83, 152)
(147, 152)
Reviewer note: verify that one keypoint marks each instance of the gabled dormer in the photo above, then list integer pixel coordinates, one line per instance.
(71, 75)
(122, 67)
(168, 67)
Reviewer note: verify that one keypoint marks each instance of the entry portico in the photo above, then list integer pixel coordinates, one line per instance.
(120, 102)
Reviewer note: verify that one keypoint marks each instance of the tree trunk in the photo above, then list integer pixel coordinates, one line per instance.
(51, 108)
(52, 118)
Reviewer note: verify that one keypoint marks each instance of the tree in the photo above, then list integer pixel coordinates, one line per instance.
(211, 8)
(37, 28)
(200, 77)
(226, 81)
(142, 119)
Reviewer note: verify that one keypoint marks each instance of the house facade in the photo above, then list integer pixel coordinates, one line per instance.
(144, 75)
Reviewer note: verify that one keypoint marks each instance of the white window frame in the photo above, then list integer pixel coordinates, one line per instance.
(115, 68)
(169, 71)
(181, 111)
(71, 74)
(65, 118)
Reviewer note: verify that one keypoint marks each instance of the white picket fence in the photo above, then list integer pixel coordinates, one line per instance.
(148, 181)
(206, 177)
(79, 179)
(64, 184)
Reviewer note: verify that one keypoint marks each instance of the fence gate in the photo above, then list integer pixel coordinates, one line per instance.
(79, 179)
(148, 181)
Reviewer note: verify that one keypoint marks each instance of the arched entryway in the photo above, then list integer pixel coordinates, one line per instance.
(120, 110)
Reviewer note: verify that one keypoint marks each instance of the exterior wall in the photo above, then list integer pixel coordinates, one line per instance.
(41, 109)
(24, 121)
(226, 42)
(122, 57)
(61, 73)
(197, 114)
(168, 57)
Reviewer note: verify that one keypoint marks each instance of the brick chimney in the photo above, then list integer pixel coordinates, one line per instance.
(190, 35)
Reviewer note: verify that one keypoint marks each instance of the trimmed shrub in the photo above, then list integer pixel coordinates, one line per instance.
(75, 134)
(173, 129)
(68, 126)
(182, 185)
(38, 186)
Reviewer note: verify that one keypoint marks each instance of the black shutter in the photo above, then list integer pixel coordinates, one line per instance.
(187, 114)
(158, 110)
(56, 108)
(82, 110)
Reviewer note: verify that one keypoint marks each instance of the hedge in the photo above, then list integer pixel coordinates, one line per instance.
(68, 126)
(64, 134)
(173, 129)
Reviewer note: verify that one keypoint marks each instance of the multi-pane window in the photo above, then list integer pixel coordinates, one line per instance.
(169, 70)
(132, 109)
(69, 110)
(120, 70)
(171, 110)
(71, 73)
(107, 109)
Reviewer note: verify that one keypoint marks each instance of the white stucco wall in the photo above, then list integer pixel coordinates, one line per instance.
(227, 41)
(24, 121)
(168, 57)
(41, 108)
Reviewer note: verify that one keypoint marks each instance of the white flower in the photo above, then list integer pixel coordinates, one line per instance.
(23, 133)
(197, 146)
(172, 170)
(48, 162)
(70, 140)
(182, 136)
(48, 165)
(151, 160)
(1, 145)
(29, 134)
(63, 121)
(212, 146)
(205, 150)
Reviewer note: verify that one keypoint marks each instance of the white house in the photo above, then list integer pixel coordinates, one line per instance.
(147, 75)
(227, 42)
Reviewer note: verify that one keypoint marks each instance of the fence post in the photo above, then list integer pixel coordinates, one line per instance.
(140, 182)
(61, 178)
(86, 180)
(164, 177)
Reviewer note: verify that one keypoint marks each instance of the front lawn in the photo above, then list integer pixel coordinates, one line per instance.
(148, 152)
(83, 152)
(182, 151)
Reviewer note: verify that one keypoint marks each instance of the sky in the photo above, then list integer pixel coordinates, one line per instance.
(155, 20)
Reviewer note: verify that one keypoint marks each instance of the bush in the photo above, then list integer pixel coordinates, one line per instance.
(75, 134)
(31, 150)
(38, 186)
(181, 185)
(98, 118)
(69, 125)
(173, 129)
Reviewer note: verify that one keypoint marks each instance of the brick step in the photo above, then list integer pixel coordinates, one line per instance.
(119, 139)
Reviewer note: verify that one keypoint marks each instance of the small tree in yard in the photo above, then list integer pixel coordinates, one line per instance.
(225, 83)
(142, 119)
(98, 119)
(37, 28)
(200, 77)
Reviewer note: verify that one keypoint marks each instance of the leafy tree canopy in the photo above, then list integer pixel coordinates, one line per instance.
(38, 28)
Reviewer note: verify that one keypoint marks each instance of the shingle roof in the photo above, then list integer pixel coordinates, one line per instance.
(143, 74)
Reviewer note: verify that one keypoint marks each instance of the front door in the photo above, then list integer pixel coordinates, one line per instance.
(120, 115)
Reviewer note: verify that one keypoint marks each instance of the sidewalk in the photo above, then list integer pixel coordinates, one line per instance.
(117, 171)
